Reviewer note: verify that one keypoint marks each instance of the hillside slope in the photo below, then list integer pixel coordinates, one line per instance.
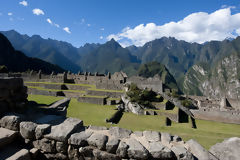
(16, 61)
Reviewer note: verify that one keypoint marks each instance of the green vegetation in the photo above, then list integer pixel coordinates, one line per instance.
(207, 133)
(142, 97)
(55, 90)
(88, 86)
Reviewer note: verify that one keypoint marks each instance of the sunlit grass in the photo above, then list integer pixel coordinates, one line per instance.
(207, 133)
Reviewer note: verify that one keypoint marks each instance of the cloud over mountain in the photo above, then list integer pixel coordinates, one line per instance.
(197, 27)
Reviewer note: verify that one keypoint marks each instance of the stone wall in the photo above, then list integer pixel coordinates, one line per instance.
(154, 83)
(94, 100)
(13, 94)
(70, 139)
(216, 115)
(104, 93)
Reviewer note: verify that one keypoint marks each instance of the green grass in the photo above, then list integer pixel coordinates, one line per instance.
(56, 90)
(91, 87)
(207, 133)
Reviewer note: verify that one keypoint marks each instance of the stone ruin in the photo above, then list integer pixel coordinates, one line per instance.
(222, 110)
(31, 132)
(102, 81)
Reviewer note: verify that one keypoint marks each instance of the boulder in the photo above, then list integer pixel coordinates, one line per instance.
(23, 154)
(158, 151)
(112, 145)
(152, 136)
(136, 150)
(61, 103)
(132, 107)
(45, 145)
(165, 138)
(197, 150)
(181, 153)
(27, 130)
(228, 149)
(64, 130)
(7, 136)
(10, 122)
(41, 130)
(122, 150)
(79, 139)
(119, 132)
(102, 155)
(98, 140)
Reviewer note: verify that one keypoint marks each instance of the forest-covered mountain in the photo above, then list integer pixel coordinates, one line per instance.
(16, 61)
(178, 56)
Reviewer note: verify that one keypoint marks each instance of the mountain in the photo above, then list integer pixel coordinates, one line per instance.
(218, 79)
(152, 68)
(109, 57)
(53, 51)
(179, 56)
(16, 61)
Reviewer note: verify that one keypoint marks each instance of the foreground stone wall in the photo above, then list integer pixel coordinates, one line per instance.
(70, 139)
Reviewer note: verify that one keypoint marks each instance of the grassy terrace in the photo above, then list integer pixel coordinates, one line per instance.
(56, 90)
(91, 87)
(208, 133)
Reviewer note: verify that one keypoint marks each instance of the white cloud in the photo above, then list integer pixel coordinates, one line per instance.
(197, 27)
(38, 11)
(49, 21)
(67, 29)
(24, 3)
(56, 25)
(101, 37)
(102, 29)
(89, 25)
(10, 13)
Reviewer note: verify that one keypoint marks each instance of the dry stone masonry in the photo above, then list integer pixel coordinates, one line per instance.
(50, 135)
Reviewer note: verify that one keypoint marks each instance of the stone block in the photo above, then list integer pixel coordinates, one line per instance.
(152, 136)
(112, 145)
(21, 155)
(7, 136)
(136, 150)
(79, 139)
(27, 130)
(10, 122)
(119, 132)
(98, 140)
(45, 145)
(64, 130)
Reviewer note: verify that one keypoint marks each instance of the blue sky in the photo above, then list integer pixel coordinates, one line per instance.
(127, 21)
